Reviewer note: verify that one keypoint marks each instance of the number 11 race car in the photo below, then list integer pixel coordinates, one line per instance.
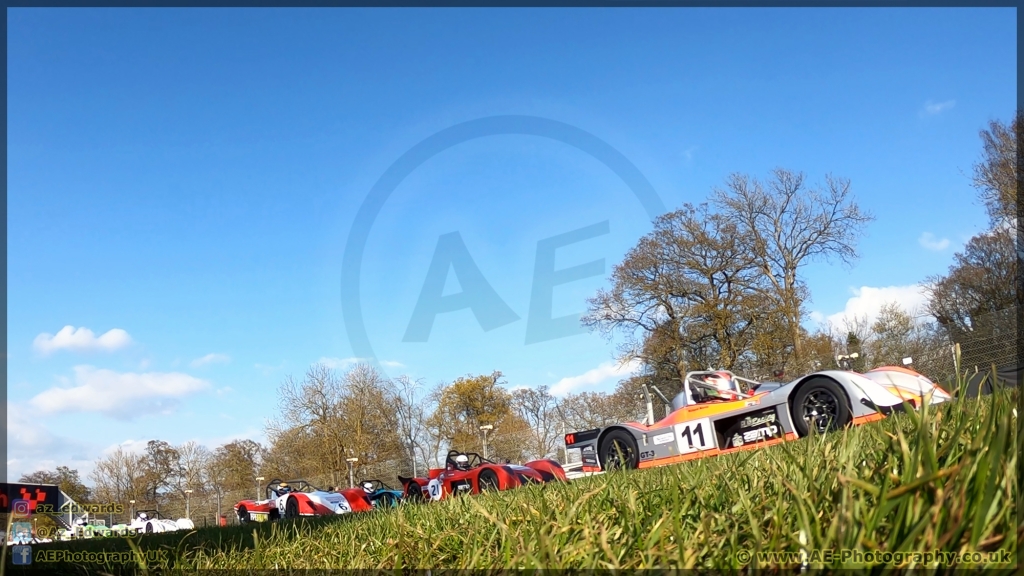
(300, 498)
(470, 473)
(714, 414)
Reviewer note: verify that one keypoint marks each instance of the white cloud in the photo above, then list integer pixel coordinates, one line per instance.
(391, 364)
(930, 242)
(119, 395)
(225, 391)
(868, 301)
(933, 108)
(31, 447)
(82, 340)
(602, 373)
(212, 358)
(129, 446)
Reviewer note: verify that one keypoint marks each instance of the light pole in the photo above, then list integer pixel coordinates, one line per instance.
(351, 461)
(188, 508)
(131, 515)
(484, 429)
(258, 480)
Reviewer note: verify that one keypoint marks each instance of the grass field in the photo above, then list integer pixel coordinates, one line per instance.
(938, 480)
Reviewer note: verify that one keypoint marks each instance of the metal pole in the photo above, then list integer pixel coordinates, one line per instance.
(351, 482)
(485, 443)
(412, 452)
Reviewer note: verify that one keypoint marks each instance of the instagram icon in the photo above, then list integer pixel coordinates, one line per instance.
(21, 509)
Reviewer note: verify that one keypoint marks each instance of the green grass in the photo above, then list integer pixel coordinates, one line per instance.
(941, 479)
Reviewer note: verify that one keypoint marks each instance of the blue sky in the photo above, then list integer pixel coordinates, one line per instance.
(189, 178)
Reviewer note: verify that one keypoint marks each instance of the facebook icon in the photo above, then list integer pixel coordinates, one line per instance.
(21, 555)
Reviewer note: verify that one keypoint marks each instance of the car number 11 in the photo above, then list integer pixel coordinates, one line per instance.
(695, 435)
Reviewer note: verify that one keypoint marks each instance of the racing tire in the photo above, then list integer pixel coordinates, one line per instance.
(619, 451)
(243, 515)
(387, 500)
(822, 403)
(488, 481)
(291, 508)
(149, 527)
(414, 492)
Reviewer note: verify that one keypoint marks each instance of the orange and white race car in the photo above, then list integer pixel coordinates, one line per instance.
(718, 412)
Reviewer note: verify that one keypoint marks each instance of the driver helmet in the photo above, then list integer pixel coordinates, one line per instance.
(142, 516)
(283, 488)
(368, 487)
(80, 522)
(462, 462)
(724, 384)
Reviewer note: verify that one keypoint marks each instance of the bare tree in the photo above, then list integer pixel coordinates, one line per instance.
(410, 409)
(981, 281)
(790, 225)
(685, 296)
(995, 176)
(539, 409)
(120, 477)
(314, 407)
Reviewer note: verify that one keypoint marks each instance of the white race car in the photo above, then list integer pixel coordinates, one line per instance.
(718, 412)
(150, 521)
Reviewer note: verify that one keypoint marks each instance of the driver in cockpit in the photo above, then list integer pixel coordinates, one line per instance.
(722, 386)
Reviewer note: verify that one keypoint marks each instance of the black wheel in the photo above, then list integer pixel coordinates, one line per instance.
(387, 500)
(820, 405)
(291, 508)
(243, 515)
(149, 527)
(619, 451)
(488, 481)
(414, 492)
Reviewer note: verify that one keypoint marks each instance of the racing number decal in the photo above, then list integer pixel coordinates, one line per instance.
(694, 436)
(434, 489)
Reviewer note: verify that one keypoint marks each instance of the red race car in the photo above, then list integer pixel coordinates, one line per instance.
(300, 498)
(469, 473)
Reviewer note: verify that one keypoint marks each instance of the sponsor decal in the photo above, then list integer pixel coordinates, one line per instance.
(760, 433)
(751, 421)
(647, 455)
(664, 438)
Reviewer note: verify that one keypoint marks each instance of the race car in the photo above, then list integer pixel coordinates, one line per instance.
(718, 412)
(380, 494)
(470, 473)
(150, 521)
(300, 498)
